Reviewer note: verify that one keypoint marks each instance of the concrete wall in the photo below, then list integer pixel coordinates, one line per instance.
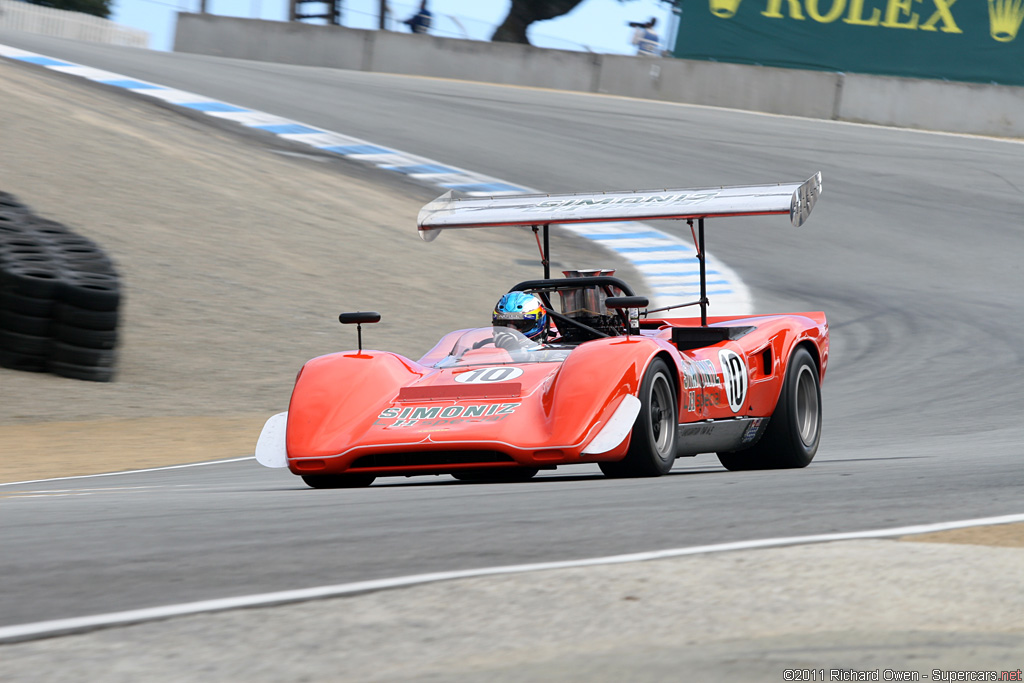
(47, 21)
(974, 108)
(932, 105)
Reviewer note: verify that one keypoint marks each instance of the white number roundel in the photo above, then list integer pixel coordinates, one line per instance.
(502, 373)
(734, 376)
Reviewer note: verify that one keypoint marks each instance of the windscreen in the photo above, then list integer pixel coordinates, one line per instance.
(500, 345)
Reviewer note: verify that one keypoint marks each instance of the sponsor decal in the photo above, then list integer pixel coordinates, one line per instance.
(501, 373)
(691, 379)
(958, 40)
(436, 415)
(1004, 17)
(708, 373)
(708, 400)
(697, 430)
(734, 376)
(752, 430)
(682, 198)
(897, 13)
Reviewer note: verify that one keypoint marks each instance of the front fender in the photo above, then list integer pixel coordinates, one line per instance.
(337, 397)
(597, 375)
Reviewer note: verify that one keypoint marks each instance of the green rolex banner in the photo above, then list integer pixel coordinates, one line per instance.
(959, 40)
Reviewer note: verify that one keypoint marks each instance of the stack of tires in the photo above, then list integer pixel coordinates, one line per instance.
(59, 298)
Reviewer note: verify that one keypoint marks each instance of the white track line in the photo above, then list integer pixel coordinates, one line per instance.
(57, 627)
(114, 474)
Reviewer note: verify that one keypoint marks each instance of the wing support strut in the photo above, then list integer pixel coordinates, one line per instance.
(545, 250)
(703, 272)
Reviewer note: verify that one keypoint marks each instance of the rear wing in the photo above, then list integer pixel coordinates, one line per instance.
(539, 211)
(447, 212)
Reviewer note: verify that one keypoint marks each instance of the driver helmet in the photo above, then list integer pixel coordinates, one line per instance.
(525, 312)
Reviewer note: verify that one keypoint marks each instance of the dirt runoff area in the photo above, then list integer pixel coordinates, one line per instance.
(236, 253)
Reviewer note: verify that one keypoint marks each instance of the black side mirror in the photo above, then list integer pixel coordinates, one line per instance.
(625, 303)
(358, 318)
(621, 302)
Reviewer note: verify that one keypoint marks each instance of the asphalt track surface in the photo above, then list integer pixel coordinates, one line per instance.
(913, 252)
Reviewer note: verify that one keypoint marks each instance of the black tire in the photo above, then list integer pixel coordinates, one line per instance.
(82, 355)
(10, 214)
(92, 292)
(15, 243)
(93, 339)
(88, 264)
(26, 305)
(85, 372)
(20, 238)
(10, 203)
(74, 316)
(25, 324)
(27, 344)
(338, 481)
(74, 250)
(38, 280)
(503, 474)
(26, 258)
(67, 239)
(652, 447)
(11, 227)
(22, 361)
(791, 438)
(47, 226)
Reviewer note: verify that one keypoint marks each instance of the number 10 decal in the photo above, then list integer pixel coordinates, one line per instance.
(485, 375)
(734, 376)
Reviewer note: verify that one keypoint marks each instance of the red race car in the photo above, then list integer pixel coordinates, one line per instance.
(573, 370)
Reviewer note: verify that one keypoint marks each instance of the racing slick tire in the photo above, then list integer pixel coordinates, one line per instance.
(791, 438)
(338, 481)
(504, 474)
(652, 447)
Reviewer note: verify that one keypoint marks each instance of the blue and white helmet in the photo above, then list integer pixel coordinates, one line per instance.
(525, 312)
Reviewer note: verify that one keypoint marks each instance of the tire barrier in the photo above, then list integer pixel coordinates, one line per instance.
(60, 297)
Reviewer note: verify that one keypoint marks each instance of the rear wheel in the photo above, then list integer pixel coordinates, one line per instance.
(792, 435)
(338, 481)
(652, 447)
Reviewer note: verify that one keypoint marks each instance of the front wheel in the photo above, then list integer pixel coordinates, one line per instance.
(652, 447)
(791, 438)
(338, 481)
